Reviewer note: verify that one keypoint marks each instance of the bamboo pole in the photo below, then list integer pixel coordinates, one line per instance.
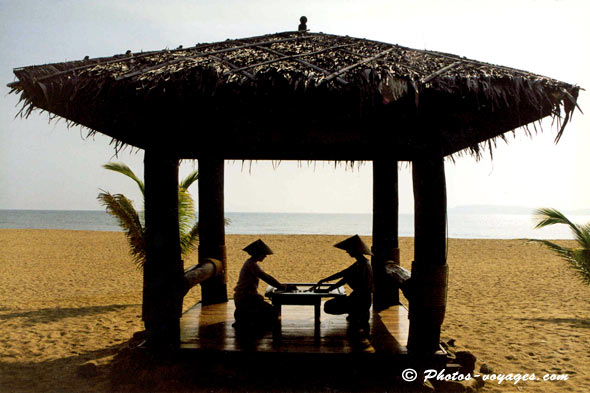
(163, 270)
(212, 227)
(385, 230)
(350, 67)
(429, 269)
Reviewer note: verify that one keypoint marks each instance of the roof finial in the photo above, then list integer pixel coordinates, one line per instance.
(303, 24)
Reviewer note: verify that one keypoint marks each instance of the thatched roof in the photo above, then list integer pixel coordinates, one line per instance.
(295, 96)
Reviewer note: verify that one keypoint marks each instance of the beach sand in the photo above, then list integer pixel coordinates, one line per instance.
(68, 297)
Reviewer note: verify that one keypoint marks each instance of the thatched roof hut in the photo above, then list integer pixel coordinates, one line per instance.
(302, 96)
(295, 96)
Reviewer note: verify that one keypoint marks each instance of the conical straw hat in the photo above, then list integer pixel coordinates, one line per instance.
(258, 248)
(354, 244)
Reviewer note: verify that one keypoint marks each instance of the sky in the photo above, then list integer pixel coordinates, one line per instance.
(45, 165)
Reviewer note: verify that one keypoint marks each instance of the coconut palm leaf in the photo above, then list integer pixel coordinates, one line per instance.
(125, 170)
(581, 264)
(190, 241)
(186, 211)
(189, 229)
(131, 221)
(577, 258)
(552, 216)
(189, 180)
(186, 218)
(124, 212)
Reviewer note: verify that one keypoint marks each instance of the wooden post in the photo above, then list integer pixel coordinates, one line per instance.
(385, 230)
(429, 269)
(163, 270)
(212, 227)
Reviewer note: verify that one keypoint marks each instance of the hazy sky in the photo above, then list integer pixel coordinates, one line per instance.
(47, 166)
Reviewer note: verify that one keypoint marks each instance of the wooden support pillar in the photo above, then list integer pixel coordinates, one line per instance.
(429, 269)
(212, 227)
(163, 270)
(385, 230)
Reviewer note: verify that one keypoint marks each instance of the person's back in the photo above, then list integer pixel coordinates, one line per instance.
(248, 281)
(360, 281)
(361, 276)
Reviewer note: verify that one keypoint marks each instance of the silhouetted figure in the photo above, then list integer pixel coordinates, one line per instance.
(359, 276)
(303, 24)
(252, 312)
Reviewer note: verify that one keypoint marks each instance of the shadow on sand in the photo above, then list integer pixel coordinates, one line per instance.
(580, 323)
(57, 375)
(136, 370)
(140, 371)
(46, 315)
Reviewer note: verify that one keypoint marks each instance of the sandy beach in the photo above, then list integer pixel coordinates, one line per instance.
(68, 297)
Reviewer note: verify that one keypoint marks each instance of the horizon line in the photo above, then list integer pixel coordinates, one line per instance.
(476, 209)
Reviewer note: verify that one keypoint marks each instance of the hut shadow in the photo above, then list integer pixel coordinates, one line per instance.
(47, 315)
(139, 370)
(578, 323)
(250, 372)
(59, 374)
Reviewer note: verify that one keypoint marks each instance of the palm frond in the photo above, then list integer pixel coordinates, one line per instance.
(186, 222)
(123, 169)
(131, 222)
(549, 216)
(128, 219)
(577, 258)
(585, 229)
(564, 252)
(190, 241)
(582, 264)
(186, 211)
(189, 180)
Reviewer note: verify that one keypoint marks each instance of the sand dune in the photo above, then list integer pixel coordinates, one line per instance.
(67, 297)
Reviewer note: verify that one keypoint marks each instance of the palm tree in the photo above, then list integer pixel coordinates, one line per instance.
(120, 207)
(579, 257)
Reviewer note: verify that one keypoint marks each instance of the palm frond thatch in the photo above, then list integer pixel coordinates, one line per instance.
(346, 91)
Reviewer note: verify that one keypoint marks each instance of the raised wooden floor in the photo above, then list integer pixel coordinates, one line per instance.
(209, 328)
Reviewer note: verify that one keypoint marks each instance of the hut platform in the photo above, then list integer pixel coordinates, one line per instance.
(208, 330)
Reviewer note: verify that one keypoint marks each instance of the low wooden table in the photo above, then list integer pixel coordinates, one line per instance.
(302, 297)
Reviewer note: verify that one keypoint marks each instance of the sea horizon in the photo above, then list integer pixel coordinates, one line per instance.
(463, 223)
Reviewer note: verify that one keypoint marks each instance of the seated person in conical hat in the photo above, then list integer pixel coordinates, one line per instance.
(359, 276)
(252, 311)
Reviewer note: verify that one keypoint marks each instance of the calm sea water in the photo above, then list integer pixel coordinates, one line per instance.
(460, 225)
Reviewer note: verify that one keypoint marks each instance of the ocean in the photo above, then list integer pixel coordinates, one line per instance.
(460, 224)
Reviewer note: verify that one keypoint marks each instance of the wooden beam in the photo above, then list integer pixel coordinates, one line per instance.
(385, 230)
(399, 278)
(429, 269)
(212, 228)
(197, 274)
(163, 270)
